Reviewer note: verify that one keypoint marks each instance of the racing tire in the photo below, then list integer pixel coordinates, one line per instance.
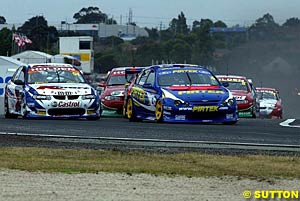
(253, 113)
(230, 123)
(130, 113)
(7, 114)
(93, 118)
(159, 111)
(23, 108)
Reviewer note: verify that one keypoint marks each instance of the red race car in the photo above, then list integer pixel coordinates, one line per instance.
(270, 105)
(244, 92)
(112, 95)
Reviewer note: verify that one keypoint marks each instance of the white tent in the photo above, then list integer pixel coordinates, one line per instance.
(31, 56)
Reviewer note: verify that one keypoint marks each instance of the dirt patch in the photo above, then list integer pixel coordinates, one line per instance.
(27, 186)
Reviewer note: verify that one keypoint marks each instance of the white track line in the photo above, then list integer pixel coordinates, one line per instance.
(287, 123)
(155, 140)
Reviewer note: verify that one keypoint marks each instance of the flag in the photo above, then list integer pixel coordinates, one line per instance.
(21, 40)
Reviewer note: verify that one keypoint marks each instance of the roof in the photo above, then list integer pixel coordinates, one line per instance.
(12, 61)
(265, 88)
(32, 53)
(51, 64)
(232, 76)
(121, 68)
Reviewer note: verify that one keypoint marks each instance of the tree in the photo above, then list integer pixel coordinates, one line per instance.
(179, 26)
(180, 52)
(153, 33)
(2, 20)
(92, 15)
(5, 41)
(264, 28)
(202, 23)
(291, 22)
(42, 36)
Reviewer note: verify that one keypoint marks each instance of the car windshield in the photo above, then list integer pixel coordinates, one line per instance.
(238, 86)
(266, 95)
(54, 75)
(117, 80)
(186, 78)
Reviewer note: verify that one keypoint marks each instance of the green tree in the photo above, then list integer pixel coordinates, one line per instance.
(153, 33)
(2, 20)
(5, 41)
(265, 28)
(180, 52)
(92, 15)
(105, 62)
(202, 23)
(292, 22)
(179, 26)
(42, 36)
(203, 47)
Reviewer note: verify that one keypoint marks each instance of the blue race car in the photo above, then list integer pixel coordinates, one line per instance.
(180, 93)
(50, 91)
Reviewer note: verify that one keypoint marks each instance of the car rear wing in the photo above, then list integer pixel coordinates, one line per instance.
(130, 73)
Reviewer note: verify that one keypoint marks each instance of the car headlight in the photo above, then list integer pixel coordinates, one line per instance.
(41, 97)
(90, 96)
(230, 102)
(178, 103)
(109, 98)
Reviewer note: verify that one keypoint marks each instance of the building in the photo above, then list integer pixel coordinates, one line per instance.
(31, 57)
(101, 30)
(80, 47)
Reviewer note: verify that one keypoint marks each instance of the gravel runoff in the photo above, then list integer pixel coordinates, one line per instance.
(36, 186)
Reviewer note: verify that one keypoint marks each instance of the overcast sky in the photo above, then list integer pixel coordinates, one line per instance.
(151, 13)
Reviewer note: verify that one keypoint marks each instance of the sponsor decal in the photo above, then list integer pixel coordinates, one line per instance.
(205, 108)
(229, 116)
(49, 87)
(138, 93)
(38, 68)
(179, 117)
(201, 91)
(185, 109)
(238, 98)
(64, 93)
(119, 72)
(68, 104)
(231, 79)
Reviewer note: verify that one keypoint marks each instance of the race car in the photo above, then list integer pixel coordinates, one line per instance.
(244, 92)
(50, 91)
(112, 96)
(180, 93)
(270, 105)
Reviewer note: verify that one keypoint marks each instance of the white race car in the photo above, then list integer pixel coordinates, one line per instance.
(50, 91)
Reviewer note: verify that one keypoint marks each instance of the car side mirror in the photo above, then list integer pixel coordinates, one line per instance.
(225, 84)
(18, 82)
(102, 84)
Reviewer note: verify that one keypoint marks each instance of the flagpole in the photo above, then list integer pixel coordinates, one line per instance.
(12, 44)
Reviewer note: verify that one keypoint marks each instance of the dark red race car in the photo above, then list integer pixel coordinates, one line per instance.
(112, 93)
(244, 93)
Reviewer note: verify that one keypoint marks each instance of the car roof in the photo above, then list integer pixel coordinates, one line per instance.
(266, 89)
(176, 66)
(232, 76)
(62, 65)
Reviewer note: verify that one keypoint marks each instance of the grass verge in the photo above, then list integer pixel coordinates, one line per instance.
(185, 164)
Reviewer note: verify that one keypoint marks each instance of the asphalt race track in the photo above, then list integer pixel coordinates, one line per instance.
(247, 131)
